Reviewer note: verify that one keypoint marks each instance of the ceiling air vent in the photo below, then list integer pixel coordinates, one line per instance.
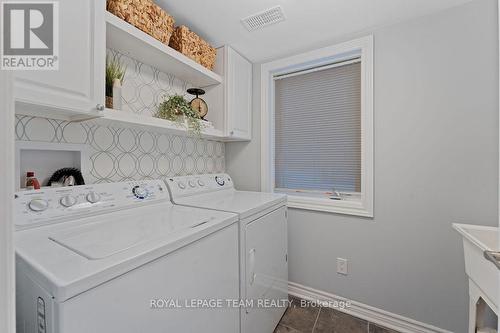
(264, 18)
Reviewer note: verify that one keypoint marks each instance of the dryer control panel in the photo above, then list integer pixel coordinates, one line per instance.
(57, 204)
(184, 186)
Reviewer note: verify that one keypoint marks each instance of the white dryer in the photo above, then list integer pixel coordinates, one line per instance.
(263, 243)
(118, 258)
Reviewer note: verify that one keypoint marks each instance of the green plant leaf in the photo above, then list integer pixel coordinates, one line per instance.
(114, 70)
(177, 109)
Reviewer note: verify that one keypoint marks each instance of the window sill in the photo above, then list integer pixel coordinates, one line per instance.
(346, 207)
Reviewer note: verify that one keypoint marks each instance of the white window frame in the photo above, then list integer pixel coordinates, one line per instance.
(362, 47)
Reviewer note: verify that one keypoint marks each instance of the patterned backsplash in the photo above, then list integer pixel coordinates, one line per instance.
(119, 153)
(144, 86)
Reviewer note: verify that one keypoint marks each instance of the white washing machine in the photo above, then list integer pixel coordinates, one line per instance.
(118, 258)
(263, 243)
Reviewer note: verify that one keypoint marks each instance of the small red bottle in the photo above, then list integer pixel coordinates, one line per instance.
(31, 182)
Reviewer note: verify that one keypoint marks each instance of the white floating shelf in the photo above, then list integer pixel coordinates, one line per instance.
(135, 43)
(124, 117)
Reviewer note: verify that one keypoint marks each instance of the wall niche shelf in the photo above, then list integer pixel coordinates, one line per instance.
(128, 118)
(127, 39)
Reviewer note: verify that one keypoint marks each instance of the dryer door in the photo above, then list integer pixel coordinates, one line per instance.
(266, 271)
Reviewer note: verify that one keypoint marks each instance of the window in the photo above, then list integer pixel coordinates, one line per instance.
(317, 127)
(317, 122)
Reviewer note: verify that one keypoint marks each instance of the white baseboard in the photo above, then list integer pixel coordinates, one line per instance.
(363, 311)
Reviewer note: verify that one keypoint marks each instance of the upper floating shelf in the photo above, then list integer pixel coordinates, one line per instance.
(135, 43)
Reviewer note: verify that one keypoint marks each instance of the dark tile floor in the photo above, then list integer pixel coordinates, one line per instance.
(313, 319)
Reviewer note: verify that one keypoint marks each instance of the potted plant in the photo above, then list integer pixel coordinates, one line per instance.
(177, 109)
(115, 70)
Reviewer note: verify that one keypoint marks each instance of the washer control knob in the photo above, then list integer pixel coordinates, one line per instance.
(38, 205)
(192, 183)
(93, 197)
(181, 185)
(140, 192)
(201, 182)
(219, 180)
(67, 201)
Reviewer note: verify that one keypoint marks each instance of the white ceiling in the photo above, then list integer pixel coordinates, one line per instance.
(309, 24)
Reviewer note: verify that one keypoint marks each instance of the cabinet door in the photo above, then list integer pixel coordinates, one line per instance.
(239, 96)
(78, 85)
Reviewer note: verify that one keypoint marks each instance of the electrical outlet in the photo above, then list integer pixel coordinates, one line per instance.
(342, 266)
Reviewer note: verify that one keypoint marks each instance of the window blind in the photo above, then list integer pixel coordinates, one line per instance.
(318, 129)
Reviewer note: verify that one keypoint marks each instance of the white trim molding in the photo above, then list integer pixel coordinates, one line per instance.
(362, 48)
(372, 314)
(7, 279)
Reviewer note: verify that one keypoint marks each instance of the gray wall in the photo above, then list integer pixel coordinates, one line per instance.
(436, 152)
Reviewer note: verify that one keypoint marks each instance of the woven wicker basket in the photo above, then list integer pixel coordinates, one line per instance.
(144, 15)
(193, 46)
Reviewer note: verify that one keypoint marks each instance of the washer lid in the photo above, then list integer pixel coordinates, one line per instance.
(244, 203)
(101, 240)
(69, 258)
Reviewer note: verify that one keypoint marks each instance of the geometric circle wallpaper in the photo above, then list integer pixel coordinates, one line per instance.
(127, 153)
(145, 87)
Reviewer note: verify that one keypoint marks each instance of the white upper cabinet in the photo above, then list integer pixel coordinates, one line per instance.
(76, 90)
(230, 103)
(238, 96)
